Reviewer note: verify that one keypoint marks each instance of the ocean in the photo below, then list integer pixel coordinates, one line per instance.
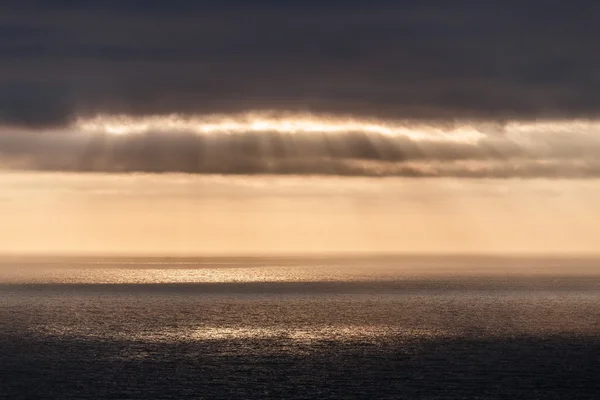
(386, 327)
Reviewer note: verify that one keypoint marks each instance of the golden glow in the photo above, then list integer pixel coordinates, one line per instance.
(286, 123)
(578, 126)
(534, 134)
(117, 214)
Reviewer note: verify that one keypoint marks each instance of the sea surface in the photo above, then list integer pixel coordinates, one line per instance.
(388, 327)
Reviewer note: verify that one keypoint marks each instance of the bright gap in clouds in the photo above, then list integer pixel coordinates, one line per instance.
(302, 123)
(284, 123)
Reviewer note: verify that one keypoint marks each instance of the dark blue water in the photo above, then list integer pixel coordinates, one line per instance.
(187, 335)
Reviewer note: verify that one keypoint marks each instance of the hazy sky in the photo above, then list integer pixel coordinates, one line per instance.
(312, 126)
(189, 214)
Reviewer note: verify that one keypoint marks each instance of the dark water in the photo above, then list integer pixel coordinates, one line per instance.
(296, 332)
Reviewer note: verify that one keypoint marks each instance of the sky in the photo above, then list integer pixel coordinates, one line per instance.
(191, 214)
(263, 126)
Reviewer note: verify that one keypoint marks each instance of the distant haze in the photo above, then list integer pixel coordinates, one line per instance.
(174, 214)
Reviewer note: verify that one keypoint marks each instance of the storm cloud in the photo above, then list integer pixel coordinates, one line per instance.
(493, 62)
(423, 59)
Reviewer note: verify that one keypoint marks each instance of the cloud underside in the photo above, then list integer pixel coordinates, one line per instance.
(496, 154)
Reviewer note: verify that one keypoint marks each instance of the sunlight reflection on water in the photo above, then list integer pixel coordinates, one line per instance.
(357, 327)
(217, 270)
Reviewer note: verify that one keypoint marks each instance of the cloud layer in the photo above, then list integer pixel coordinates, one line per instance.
(521, 77)
(394, 59)
(309, 144)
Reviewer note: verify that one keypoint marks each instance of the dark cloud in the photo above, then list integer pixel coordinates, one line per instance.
(424, 59)
(461, 60)
(34, 104)
(503, 152)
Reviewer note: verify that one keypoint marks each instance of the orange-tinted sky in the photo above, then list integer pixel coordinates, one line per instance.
(186, 214)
